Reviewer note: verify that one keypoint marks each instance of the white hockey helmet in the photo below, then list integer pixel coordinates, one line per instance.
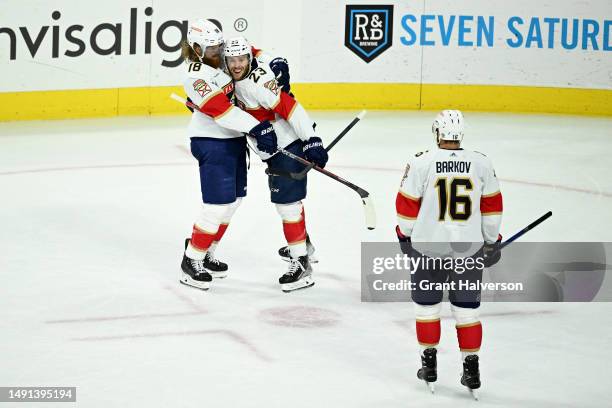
(205, 33)
(237, 46)
(448, 125)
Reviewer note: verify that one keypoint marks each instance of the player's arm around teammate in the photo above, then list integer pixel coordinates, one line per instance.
(216, 131)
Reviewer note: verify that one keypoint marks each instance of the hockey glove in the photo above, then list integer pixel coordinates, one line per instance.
(405, 242)
(491, 253)
(314, 151)
(266, 137)
(280, 68)
(187, 106)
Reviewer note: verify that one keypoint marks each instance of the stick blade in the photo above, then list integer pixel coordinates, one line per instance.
(369, 211)
(177, 98)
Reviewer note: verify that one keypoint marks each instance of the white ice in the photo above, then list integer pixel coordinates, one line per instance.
(92, 222)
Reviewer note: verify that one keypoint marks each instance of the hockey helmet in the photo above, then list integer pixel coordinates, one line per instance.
(205, 33)
(448, 125)
(237, 46)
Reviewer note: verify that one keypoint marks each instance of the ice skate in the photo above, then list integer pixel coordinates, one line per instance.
(471, 375)
(193, 273)
(215, 267)
(298, 276)
(428, 372)
(285, 253)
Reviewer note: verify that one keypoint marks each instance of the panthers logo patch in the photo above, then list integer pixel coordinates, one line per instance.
(272, 85)
(202, 88)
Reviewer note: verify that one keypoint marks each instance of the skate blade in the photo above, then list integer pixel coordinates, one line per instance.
(187, 281)
(431, 386)
(300, 284)
(218, 275)
(474, 394)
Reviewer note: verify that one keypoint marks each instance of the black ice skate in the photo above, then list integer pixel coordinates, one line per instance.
(194, 273)
(215, 267)
(285, 254)
(471, 375)
(428, 372)
(298, 276)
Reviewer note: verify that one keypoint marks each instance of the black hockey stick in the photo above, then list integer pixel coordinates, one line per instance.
(366, 200)
(300, 175)
(525, 230)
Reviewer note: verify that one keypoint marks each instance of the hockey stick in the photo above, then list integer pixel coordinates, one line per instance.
(366, 200)
(370, 212)
(184, 101)
(300, 175)
(525, 230)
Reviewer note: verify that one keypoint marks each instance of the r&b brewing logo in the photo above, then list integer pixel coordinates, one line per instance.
(368, 30)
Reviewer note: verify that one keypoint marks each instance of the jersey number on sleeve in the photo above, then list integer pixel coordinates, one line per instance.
(459, 206)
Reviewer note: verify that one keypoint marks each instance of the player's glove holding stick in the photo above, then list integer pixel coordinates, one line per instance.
(491, 253)
(405, 242)
(315, 152)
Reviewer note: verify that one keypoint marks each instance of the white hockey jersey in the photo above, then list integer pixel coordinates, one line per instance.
(260, 95)
(449, 196)
(212, 89)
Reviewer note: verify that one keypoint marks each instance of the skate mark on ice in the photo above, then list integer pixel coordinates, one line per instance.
(339, 166)
(299, 316)
(230, 334)
(184, 149)
(185, 299)
(94, 167)
(124, 317)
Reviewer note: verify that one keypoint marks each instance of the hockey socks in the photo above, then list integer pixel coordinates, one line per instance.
(294, 227)
(428, 333)
(209, 228)
(428, 325)
(470, 337)
(469, 329)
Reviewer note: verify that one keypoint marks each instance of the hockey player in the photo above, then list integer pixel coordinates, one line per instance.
(216, 131)
(258, 92)
(449, 195)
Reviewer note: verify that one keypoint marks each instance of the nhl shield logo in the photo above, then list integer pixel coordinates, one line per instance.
(368, 30)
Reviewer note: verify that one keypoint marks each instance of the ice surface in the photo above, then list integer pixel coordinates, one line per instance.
(93, 217)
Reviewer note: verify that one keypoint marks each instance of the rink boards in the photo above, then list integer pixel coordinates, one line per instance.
(64, 62)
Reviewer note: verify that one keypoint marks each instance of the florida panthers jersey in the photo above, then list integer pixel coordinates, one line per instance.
(211, 90)
(449, 196)
(260, 95)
